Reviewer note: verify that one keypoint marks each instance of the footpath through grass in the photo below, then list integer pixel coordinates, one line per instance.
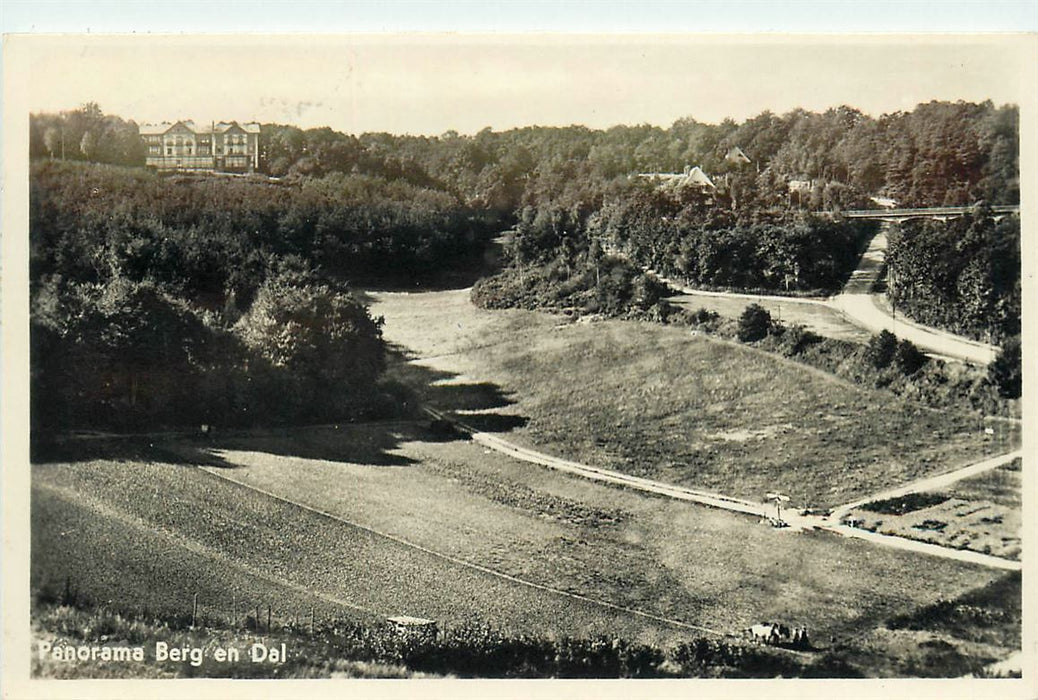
(147, 532)
(654, 401)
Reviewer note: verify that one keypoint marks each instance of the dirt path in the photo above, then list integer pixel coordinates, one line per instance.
(861, 307)
(524, 454)
(963, 555)
(795, 521)
(931, 483)
(858, 303)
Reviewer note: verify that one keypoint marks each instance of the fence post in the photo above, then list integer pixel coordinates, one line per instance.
(234, 611)
(257, 617)
(311, 622)
(268, 617)
(194, 608)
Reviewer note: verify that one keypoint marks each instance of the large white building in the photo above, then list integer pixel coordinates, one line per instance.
(221, 146)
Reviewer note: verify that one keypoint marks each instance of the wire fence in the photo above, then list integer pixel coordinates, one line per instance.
(320, 636)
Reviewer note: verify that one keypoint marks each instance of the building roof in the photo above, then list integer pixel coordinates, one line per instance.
(696, 176)
(247, 127)
(153, 129)
(736, 155)
(885, 202)
(409, 621)
(691, 176)
(218, 128)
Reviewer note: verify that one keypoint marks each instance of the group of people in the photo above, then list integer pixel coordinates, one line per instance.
(776, 633)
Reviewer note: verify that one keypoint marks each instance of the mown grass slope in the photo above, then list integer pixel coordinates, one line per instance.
(651, 400)
(151, 533)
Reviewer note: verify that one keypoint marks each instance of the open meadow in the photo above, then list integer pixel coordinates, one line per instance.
(368, 520)
(411, 513)
(653, 401)
(142, 534)
(821, 319)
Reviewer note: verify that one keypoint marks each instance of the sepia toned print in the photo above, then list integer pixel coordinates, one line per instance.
(719, 382)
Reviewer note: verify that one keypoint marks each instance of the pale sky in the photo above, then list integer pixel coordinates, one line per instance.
(428, 84)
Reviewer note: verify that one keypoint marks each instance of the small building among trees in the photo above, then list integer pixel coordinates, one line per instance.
(737, 156)
(692, 176)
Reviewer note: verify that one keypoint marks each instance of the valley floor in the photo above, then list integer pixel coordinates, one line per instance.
(398, 518)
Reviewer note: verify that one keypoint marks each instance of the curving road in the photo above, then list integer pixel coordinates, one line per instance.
(930, 483)
(861, 306)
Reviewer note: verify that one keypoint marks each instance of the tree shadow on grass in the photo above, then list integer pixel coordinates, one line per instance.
(408, 386)
(369, 444)
(475, 404)
(365, 443)
(164, 448)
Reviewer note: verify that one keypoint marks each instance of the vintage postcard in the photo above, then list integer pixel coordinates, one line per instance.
(671, 359)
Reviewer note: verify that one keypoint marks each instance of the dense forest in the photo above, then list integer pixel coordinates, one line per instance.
(163, 299)
(938, 153)
(150, 293)
(963, 275)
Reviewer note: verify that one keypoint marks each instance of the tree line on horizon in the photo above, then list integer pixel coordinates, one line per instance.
(151, 290)
(940, 153)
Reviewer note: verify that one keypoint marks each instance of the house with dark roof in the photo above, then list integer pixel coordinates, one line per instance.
(218, 146)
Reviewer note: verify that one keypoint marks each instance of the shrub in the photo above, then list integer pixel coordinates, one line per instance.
(881, 349)
(1006, 371)
(908, 357)
(908, 503)
(121, 355)
(797, 338)
(754, 323)
(702, 316)
(322, 347)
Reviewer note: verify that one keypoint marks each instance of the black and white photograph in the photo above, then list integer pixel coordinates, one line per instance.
(528, 356)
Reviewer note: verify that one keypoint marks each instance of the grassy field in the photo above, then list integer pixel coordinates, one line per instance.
(153, 535)
(982, 513)
(415, 513)
(650, 400)
(822, 320)
(153, 531)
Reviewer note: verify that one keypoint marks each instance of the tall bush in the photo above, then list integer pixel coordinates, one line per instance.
(1006, 372)
(881, 348)
(908, 357)
(320, 343)
(754, 323)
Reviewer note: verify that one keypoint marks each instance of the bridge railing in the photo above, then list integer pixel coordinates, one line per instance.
(923, 211)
